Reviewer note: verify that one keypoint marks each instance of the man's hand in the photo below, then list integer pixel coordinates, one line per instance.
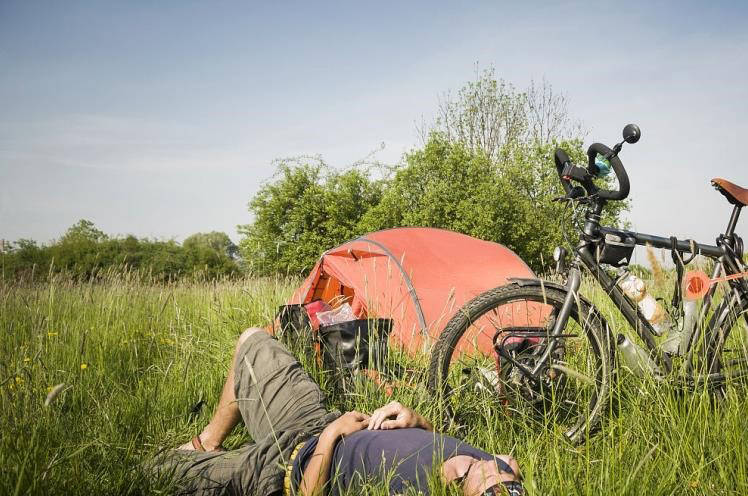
(346, 424)
(317, 471)
(396, 416)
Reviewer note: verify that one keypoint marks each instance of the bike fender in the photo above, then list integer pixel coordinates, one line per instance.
(522, 282)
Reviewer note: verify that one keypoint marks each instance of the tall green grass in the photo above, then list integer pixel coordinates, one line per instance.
(136, 360)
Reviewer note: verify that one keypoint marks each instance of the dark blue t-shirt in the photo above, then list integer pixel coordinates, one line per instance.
(405, 456)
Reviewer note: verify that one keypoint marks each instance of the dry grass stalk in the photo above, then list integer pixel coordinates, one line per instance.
(54, 393)
(657, 272)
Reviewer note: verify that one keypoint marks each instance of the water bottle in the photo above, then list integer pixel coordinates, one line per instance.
(603, 166)
(636, 358)
(677, 340)
(634, 288)
(690, 314)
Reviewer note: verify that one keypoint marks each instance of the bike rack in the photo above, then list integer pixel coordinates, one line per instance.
(521, 332)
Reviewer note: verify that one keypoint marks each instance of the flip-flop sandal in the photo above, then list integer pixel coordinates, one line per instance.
(198, 445)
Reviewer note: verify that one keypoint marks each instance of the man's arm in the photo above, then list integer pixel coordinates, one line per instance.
(317, 472)
(396, 416)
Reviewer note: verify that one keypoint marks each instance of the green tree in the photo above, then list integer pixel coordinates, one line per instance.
(80, 251)
(442, 185)
(24, 259)
(211, 254)
(489, 115)
(83, 230)
(85, 252)
(486, 169)
(164, 260)
(219, 242)
(305, 210)
(447, 186)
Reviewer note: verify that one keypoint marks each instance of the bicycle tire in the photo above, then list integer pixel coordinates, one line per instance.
(726, 344)
(596, 340)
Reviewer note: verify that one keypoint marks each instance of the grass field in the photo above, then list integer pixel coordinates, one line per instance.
(134, 358)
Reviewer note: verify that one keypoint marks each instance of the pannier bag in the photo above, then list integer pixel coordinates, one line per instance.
(355, 345)
(615, 249)
(292, 319)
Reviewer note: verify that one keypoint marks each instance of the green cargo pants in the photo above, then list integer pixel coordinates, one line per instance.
(281, 407)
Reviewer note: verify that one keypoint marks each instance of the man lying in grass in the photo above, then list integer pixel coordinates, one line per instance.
(300, 448)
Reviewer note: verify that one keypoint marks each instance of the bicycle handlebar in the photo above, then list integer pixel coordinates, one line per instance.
(567, 171)
(615, 162)
(561, 160)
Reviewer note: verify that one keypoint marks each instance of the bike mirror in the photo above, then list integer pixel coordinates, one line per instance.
(631, 133)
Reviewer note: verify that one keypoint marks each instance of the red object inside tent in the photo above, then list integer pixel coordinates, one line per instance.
(419, 277)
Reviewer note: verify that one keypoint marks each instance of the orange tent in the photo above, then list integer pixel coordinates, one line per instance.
(417, 276)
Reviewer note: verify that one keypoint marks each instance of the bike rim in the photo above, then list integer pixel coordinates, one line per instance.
(568, 398)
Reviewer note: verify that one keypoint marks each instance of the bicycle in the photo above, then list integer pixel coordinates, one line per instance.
(552, 348)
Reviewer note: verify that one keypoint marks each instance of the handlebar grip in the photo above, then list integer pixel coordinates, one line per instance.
(615, 162)
(561, 160)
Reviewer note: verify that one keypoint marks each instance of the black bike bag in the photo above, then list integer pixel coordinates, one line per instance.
(615, 249)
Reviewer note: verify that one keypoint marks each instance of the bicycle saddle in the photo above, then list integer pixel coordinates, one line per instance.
(734, 193)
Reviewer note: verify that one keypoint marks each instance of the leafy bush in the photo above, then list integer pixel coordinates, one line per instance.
(309, 209)
(85, 252)
(485, 169)
(305, 210)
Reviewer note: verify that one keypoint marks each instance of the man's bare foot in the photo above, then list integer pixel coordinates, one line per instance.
(197, 444)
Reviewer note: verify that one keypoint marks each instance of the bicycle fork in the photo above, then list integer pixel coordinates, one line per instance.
(573, 282)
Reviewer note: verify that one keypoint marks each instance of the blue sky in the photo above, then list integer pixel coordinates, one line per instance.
(162, 118)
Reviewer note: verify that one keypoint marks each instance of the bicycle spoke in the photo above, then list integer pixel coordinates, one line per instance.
(563, 390)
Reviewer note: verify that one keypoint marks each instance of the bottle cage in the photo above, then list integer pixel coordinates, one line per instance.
(680, 264)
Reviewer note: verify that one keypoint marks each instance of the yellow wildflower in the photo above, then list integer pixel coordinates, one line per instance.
(51, 334)
(84, 366)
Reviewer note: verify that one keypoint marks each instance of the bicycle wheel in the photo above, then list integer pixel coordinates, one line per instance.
(727, 346)
(467, 373)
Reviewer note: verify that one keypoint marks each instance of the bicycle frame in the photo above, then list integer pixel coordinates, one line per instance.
(723, 253)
